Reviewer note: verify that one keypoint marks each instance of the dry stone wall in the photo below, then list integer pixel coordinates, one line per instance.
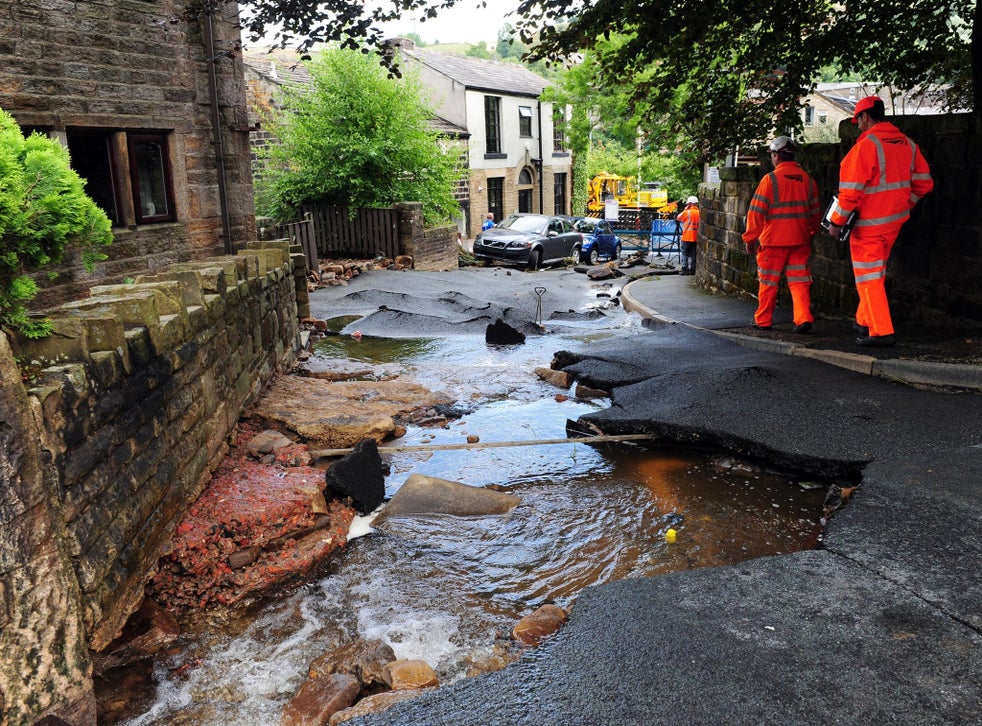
(135, 394)
(937, 261)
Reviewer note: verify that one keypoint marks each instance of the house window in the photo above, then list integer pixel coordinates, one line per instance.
(823, 117)
(525, 120)
(492, 124)
(94, 160)
(558, 130)
(496, 197)
(119, 167)
(525, 191)
(150, 169)
(559, 193)
(809, 115)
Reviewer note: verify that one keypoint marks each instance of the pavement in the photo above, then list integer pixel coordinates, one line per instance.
(942, 357)
(881, 624)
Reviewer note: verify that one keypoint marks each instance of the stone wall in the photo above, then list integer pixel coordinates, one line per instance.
(134, 395)
(96, 75)
(937, 261)
(432, 249)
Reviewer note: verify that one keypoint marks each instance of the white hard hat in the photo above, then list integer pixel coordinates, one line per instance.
(692, 200)
(782, 143)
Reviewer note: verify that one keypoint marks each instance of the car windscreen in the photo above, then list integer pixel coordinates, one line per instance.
(585, 225)
(526, 224)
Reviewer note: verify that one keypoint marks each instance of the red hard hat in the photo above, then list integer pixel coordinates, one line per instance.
(865, 104)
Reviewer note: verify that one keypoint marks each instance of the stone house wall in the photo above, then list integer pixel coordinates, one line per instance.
(101, 76)
(133, 398)
(935, 266)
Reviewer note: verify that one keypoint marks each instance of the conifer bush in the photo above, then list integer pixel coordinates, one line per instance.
(43, 210)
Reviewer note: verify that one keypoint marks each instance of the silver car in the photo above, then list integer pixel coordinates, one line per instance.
(530, 240)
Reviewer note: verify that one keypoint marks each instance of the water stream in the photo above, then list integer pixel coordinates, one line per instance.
(448, 589)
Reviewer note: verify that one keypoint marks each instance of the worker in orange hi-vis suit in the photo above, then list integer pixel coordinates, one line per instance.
(881, 178)
(689, 219)
(783, 217)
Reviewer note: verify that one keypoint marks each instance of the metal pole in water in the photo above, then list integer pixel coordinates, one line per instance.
(327, 453)
(539, 291)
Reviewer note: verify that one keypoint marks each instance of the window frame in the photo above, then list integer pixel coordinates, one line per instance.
(492, 124)
(558, 129)
(132, 139)
(496, 196)
(525, 122)
(559, 195)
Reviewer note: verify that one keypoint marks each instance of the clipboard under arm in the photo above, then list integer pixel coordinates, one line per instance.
(846, 229)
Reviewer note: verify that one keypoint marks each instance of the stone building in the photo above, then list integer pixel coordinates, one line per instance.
(159, 133)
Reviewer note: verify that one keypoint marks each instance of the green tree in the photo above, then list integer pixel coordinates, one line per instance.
(725, 72)
(605, 126)
(480, 50)
(43, 210)
(355, 137)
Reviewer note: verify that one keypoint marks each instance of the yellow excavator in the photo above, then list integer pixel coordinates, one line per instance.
(606, 185)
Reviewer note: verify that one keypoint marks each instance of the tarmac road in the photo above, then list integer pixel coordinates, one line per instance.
(879, 626)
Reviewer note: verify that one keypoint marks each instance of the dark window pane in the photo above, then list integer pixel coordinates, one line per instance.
(492, 123)
(496, 197)
(91, 155)
(150, 171)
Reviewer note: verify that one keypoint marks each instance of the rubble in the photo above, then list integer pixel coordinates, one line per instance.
(256, 526)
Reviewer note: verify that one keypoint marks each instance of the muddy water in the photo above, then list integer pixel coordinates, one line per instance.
(447, 589)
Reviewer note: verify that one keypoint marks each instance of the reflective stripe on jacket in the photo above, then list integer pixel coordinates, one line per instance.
(784, 210)
(689, 217)
(882, 177)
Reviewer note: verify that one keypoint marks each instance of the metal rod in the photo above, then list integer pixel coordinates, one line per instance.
(327, 453)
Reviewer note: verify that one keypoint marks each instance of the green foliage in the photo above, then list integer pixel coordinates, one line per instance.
(725, 73)
(605, 126)
(356, 138)
(480, 50)
(43, 210)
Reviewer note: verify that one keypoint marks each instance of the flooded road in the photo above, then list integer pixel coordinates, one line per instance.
(447, 590)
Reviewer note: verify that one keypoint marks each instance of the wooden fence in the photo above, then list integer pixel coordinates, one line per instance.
(370, 232)
(302, 233)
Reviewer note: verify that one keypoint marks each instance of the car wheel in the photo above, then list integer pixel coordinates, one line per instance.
(533, 263)
(577, 253)
(594, 256)
(617, 252)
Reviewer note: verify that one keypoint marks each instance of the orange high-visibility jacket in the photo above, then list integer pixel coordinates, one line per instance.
(882, 177)
(689, 217)
(784, 210)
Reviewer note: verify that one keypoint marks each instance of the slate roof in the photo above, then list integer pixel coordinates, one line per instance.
(288, 71)
(482, 75)
(292, 71)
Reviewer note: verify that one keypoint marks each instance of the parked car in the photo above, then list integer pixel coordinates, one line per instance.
(530, 240)
(599, 240)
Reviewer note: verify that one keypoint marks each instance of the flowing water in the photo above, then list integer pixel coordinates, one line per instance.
(448, 589)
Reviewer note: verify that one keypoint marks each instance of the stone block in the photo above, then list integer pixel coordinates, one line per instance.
(188, 283)
(253, 264)
(68, 341)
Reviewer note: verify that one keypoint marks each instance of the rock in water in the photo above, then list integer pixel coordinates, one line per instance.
(422, 494)
(358, 476)
(501, 333)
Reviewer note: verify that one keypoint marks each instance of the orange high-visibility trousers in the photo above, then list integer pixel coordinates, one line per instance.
(870, 253)
(793, 261)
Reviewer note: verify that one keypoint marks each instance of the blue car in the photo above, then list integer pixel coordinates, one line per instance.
(599, 240)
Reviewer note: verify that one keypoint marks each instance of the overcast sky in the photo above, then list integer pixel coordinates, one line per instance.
(464, 23)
